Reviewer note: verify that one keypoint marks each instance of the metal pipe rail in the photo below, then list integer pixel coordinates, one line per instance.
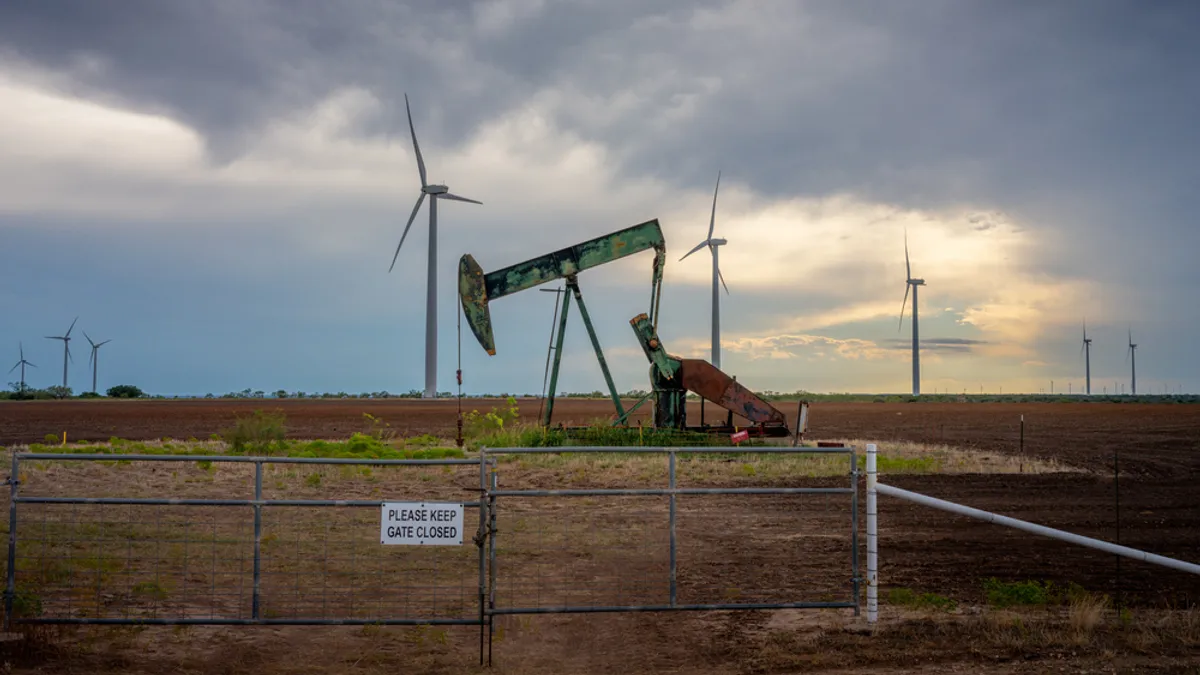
(874, 487)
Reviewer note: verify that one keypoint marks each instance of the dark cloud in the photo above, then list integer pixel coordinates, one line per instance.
(1074, 119)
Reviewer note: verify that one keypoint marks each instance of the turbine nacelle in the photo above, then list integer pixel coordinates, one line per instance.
(435, 189)
(717, 242)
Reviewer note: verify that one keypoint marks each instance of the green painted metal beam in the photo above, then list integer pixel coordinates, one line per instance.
(477, 289)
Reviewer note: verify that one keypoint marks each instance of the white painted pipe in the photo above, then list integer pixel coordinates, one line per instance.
(872, 540)
(933, 502)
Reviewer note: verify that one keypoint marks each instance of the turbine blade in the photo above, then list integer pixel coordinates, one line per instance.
(907, 267)
(698, 247)
(712, 219)
(902, 304)
(447, 195)
(91, 356)
(30, 364)
(411, 218)
(69, 356)
(104, 343)
(21, 347)
(722, 278)
(89, 339)
(416, 148)
(14, 367)
(71, 328)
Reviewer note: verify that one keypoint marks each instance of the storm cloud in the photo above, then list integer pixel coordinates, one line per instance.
(253, 159)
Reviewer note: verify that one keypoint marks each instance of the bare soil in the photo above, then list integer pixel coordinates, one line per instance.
(740, 547)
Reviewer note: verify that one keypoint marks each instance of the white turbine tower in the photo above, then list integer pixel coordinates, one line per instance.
(1131, 356)
(435, 192)
(1086, 350)
(911, 283)
(712, 245)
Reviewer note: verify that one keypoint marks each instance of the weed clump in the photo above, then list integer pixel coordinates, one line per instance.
(1019, 593)
(258, 433)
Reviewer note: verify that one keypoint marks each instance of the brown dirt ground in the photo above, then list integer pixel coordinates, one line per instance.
(925, 550)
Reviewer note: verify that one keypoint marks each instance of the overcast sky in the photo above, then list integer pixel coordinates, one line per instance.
(218, 186)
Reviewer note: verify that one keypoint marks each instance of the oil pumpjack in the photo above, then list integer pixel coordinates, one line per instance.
(671, 377)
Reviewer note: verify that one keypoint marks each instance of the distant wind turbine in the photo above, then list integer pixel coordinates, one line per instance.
(22, 363)
(1131, 356)
(1086, 350)
(435, 192)
(94, 358)
(712, 245)
(66, 339)
(910, 282)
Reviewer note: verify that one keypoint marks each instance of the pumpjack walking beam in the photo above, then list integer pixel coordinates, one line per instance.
(477, 290)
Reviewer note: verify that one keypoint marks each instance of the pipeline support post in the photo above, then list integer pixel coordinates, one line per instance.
(872, 537)
(10, 588)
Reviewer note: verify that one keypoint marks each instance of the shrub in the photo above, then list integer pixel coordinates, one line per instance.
(1013, 593)
(257, 433)
(58, 391)
(90, 394)
(125, 391)
(476, 424)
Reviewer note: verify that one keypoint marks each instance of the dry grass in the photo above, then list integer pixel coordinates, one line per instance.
(895, 457)
(1085, 612)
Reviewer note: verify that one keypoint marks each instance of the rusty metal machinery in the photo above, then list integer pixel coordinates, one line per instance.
(671, 377)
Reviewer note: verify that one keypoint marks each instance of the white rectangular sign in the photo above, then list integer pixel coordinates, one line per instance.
(421, 524)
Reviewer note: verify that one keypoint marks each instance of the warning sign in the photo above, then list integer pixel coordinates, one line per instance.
(421, 524)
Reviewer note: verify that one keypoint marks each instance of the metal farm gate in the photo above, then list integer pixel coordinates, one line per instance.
(179, 539)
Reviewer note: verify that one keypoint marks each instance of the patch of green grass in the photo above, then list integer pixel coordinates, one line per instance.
(536, 436)
(1020, 593)
(358, 446)
(906, 597)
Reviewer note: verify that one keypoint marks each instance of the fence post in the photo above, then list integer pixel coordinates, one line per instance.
(671, 484)
(10, 589)
(481, 541)
(491, 560)
(872, 539)
(258, 476)
(855, 571)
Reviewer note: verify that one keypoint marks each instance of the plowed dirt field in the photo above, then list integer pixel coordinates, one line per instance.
(921, 549)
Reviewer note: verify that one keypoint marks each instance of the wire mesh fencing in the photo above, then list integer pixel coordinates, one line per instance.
(650, 529)
(154, 539)
(235, 540)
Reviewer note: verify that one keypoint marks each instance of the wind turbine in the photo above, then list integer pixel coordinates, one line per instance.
(712, 245)
(22, 363)
(66, 339)
(1131, 356)
(435, 193)
(94, 359)
(910, 282)
(1086, 350)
